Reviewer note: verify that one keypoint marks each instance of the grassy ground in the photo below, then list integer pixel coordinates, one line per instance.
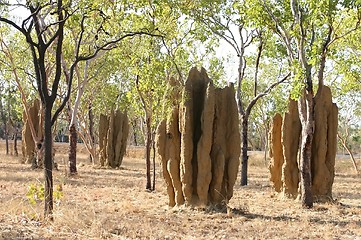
(113, 204)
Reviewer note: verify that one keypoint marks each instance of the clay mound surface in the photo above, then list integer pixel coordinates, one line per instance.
(199, 144)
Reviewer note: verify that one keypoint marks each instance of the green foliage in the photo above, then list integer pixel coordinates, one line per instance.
(36, 191)
(297, 90)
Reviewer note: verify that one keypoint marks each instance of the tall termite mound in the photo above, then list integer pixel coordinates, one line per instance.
(168, 145)
(113, 135)
(103, 132)
(28, 143)
(276, 152)
(226, 147)
(291, 131)
(324, 145)
(323, 148)
(199, 143)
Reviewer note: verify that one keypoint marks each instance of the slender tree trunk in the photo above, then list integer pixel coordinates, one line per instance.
(266, 146)
(134, 124)
(74, 119)
(244, 171)
(352, 159)
(6, 134)
(245, 118)
(48, 164)
(91, 132)
(16, 153)
(306, 104)
(72, 149)
(148, 148)
(6, 139)
(153, 147)
(148, 142)
(345, 147)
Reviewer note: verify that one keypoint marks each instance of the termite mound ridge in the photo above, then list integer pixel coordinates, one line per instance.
(199, 143)
(226, 147)
(324, 147)
(276, 152)
(28, 143)
(291, 131)
(113, 135)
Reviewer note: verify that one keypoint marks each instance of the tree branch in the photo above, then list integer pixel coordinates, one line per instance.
(105, 47)
(58, 54)
(268, 90)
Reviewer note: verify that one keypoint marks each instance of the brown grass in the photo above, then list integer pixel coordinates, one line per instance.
(113, 204)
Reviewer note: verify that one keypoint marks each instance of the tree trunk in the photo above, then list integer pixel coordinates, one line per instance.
(72, 149)
(306, 104)
(3, 118)
(148, 148)
(134, 124)
(91, 132)
(6, 131)
(266, 146)
(344, 144)
(352, 159)
(244, 154)
(6, 139)
(16, 153)
(48, 164)
(153, 147)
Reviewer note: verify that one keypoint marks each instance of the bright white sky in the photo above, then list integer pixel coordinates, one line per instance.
(226, 51)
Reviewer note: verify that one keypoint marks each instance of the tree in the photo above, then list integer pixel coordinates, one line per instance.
(90, 80)
(14, 73)
(82, 83)
(349, 116)
(343, 137)
(3, 116)
(44, 31)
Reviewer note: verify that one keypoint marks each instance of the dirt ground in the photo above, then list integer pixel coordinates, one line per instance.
(113, 204)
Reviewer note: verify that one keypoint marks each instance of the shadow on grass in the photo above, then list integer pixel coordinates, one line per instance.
(250, 216)
(349, 206)
(341, 223)
(349, 195)
(285, 218)
(15, 167)
(282, 218)
(100, 178)
(348, 176)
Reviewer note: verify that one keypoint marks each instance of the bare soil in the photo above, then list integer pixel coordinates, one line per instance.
(113, 204)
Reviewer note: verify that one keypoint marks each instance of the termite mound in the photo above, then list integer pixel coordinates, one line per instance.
(324, 146)
(113, 135)
(199, 143)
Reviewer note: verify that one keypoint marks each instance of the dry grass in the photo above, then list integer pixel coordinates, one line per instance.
(113, 204)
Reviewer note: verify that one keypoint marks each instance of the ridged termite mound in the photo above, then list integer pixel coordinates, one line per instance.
(113, 135)
(323, 148)
(226, 147)
(276, 152)
(103, 132)
(28, 143)
(199, 143)
(324, 145)
(291, 130)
